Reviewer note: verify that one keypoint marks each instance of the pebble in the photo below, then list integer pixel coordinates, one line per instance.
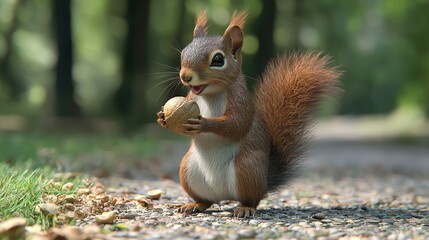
(246, 233)
(361, 213)
(318, 216)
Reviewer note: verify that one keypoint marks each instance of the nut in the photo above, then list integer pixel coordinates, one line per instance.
(177, 111)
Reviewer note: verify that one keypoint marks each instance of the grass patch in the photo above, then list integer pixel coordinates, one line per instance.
(21, 190)
(28, 161)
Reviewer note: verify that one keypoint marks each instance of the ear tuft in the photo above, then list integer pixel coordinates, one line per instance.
(200, 29)
(238, 19)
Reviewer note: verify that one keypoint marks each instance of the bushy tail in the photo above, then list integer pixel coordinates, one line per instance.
(291, 88)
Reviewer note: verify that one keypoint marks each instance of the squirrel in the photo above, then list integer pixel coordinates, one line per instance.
(244, 147)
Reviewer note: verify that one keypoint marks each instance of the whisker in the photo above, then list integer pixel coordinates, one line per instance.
(161, 82)
(177, 49)
(169, 86)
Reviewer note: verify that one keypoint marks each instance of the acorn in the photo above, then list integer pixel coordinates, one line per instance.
(177, 111)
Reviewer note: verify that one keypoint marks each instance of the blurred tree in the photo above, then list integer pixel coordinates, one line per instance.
(7, 76)
(298, 13)
(134, 63)
(265, 32)
(65, 104)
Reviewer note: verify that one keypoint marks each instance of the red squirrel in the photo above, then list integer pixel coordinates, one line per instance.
(244, 147)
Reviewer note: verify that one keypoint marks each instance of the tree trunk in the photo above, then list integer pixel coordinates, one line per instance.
(134, 58)
(65, 104)
(297, 15)
(265, 34)
(13, 86)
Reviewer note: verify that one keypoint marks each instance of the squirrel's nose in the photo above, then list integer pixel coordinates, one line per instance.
(186, 76)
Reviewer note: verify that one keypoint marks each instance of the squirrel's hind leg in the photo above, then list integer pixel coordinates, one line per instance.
(244, 212)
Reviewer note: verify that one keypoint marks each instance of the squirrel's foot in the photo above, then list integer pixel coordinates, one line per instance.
(161, 117)
(194, 125)
(244, 212)
(194, 207)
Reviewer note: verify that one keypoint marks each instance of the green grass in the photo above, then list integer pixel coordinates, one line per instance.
(29, 159)
(21, 190)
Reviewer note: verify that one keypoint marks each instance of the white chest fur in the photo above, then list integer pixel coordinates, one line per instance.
(210, 169)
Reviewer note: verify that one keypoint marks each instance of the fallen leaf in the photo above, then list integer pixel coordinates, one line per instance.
(66, 232)
(13, 226)
(83, 191)
(70, 198)
(91, 231)
(143, 201)
(68, 186)
(102, 198)
(154, 194)
(106, 217)
(48, 208)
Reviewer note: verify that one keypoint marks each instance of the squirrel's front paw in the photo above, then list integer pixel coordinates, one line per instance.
(193, 126)
(194, 207)
(161, 117)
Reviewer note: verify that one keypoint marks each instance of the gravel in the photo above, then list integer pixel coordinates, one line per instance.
(315, 206)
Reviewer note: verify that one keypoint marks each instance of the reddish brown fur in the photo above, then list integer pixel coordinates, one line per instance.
(238, 19)
(238, 117)
(291, 88)
(273, 129)
(252, 166)
(200, 24)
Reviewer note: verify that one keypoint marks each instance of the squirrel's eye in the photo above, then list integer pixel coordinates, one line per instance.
(218, 60)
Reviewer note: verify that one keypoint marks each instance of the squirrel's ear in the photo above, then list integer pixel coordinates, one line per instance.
(200, 29)
(233, 37)
(234, 32)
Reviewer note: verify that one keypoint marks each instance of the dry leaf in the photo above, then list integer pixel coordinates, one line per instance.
(154, 194)
(102, 198)
(144, 201)
(68, 186)
(13, 226)
(48, 208)
(45, 198)
(91, 230)
(83, 191)
(70, 198)
(106, 217)
(66, 232)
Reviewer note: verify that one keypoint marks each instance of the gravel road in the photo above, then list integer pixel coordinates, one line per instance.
(347, 190)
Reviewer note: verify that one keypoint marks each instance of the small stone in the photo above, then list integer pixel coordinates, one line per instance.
(129, 216)
(373, 221)
(318, 216)
(326, 221)
(106, 217)
(225, 214)
(264, 225)
(246, 233)
(209, 237)
(254, 222)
